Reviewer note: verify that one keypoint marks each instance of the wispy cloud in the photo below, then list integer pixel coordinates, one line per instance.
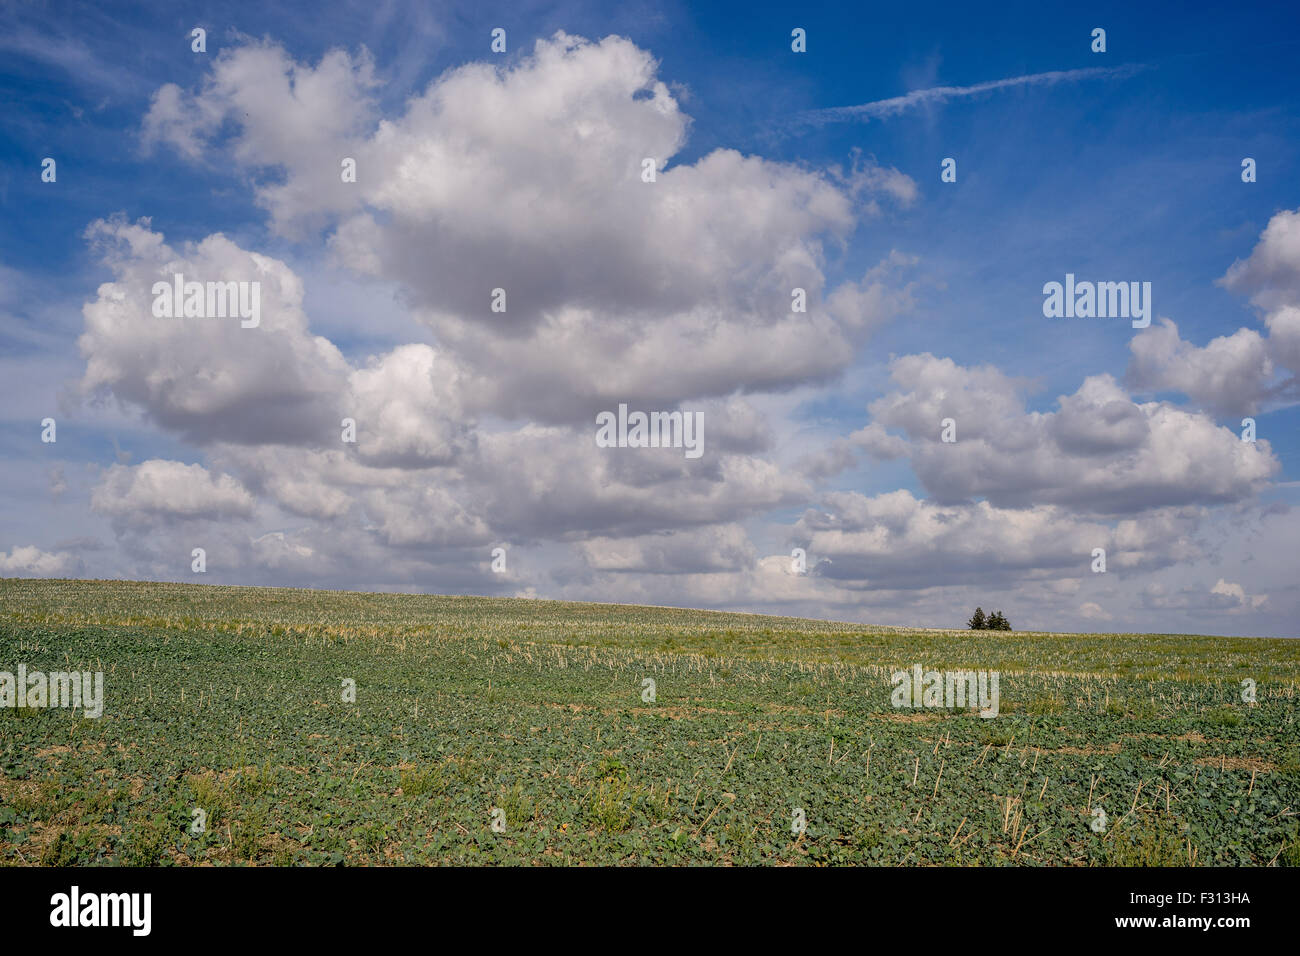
(72, 57)
(896, 105)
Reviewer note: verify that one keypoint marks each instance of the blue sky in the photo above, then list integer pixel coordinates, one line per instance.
(1126, 167)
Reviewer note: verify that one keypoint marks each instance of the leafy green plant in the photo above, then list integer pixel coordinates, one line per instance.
(228, 700)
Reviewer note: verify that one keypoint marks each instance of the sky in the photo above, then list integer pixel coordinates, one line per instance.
(911, 434)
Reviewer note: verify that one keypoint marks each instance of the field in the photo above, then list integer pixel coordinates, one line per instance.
(524, 732)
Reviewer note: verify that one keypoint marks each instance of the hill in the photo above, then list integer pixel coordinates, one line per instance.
(327, 727)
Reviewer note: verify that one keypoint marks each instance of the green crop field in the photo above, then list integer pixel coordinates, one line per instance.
(524, 732)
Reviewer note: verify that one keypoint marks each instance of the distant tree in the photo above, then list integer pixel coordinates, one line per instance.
(997, 622)
(978, 621)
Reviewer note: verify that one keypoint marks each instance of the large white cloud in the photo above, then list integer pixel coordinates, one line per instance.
(1270, 275)
(408, 408)
(290, 115)
(1100, 452)
(208, 378)
(1243, 373)
(1229, 375)
(527, 178)
(169, 490)
(898, 540)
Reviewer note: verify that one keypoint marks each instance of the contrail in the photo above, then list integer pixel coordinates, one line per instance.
(895, 105)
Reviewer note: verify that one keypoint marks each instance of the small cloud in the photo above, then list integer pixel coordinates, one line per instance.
(1094, 611)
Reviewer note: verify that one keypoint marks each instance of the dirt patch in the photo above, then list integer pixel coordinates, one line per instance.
(915, 718)
(12, 790)
(1110, 748)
